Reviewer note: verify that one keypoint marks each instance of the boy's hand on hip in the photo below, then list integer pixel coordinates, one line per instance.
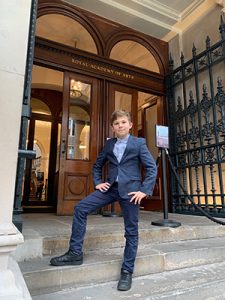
(103, 187)
(137, 197)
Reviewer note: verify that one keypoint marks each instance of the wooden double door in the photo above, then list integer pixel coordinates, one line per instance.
(71, 134)
(87, 105)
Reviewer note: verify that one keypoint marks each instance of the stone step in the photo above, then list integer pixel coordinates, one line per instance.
(111, 236)
(206, 282)
(104, 265)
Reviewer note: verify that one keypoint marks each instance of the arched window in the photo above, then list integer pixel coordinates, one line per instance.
(135, 54)
(46, 78)
(39, 107)
(64, 30)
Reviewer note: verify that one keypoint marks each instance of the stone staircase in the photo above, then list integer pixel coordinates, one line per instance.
(187, 262)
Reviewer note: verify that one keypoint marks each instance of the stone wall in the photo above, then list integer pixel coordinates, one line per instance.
(14, 23)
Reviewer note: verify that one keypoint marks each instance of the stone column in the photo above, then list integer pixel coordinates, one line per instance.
(14, 29)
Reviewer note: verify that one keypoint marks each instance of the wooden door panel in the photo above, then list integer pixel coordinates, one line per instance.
(76, 186)
(80, 123)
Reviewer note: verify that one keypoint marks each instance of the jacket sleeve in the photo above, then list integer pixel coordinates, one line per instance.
(150, 167)
(98, 166)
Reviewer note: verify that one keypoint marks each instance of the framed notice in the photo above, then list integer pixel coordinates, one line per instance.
(162, 136)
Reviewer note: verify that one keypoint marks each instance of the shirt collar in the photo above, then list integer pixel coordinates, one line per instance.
(124, 140)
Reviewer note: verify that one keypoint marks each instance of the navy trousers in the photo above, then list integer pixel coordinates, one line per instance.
(98, 200)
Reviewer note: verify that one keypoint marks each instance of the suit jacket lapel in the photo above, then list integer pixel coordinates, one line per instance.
(111, 147)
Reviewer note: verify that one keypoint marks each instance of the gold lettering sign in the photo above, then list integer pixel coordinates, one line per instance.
(101, 68)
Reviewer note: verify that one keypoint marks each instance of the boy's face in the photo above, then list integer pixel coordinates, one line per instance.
(121, 126)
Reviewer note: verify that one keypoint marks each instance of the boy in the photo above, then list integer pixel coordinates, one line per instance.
(125, 155)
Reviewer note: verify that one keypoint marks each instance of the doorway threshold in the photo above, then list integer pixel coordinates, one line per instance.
(38, 209)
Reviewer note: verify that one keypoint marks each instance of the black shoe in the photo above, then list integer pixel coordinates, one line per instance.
(125, 281)
(69, 258)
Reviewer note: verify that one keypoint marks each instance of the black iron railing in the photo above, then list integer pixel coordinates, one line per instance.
(196, 104)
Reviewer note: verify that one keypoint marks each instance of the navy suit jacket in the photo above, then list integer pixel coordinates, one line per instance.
(128, 169)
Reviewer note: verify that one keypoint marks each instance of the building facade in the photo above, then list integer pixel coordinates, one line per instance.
(74, 89)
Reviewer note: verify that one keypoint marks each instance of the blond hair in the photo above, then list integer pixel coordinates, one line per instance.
(120, 113)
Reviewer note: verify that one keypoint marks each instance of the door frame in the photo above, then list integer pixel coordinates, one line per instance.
(53, 100)
(27, 202)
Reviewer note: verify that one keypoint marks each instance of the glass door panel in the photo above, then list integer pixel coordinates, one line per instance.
(123, 101)
(150, 123)
(40, 165)
(79, 120)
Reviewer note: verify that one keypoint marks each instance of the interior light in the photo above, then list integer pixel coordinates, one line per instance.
(82, 147)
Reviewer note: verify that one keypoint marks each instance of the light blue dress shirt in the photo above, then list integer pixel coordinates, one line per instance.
(119, 148)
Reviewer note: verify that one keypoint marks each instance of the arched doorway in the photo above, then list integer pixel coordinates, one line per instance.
(92, 60)
(41, 178)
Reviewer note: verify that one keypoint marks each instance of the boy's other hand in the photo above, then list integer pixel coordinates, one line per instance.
(103, 187)
(137, 197)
